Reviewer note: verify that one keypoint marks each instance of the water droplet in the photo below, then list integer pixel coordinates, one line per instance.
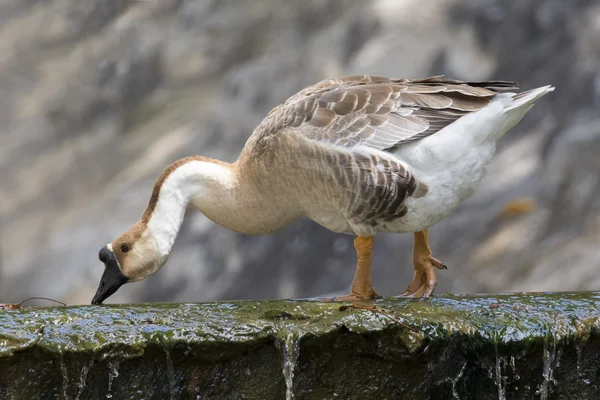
(512, 365)
(579, 349)
(171, 375)
(83, 379)
(499, 378)
(64, 378)
(550, 362)
(113, 372)
(291, 351)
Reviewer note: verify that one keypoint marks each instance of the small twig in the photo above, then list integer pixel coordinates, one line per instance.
(43, 298)
(377, 311)
(16, 306)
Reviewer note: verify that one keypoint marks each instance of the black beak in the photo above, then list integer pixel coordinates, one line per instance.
(112, 278)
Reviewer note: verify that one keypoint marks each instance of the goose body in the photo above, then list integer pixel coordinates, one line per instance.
(358, 155)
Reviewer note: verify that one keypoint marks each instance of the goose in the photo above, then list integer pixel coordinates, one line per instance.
(356, 154)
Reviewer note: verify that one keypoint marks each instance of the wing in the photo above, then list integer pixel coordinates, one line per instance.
(340, 120)
(378, 112)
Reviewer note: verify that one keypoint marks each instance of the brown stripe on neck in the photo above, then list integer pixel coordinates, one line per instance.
(161, 179)
(159, 182)
(135, 232)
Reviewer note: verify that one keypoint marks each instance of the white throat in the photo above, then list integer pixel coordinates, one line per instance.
(203, 182)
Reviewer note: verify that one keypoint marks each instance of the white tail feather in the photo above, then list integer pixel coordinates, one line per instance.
(528, 97)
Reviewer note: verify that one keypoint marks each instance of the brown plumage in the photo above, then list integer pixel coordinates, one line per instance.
(374, 111)
(329, 123)
(357, 154)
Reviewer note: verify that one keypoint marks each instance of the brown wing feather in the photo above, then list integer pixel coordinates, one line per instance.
(327, 122)
(377, 112)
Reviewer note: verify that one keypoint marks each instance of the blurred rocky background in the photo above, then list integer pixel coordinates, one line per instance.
(97, 97)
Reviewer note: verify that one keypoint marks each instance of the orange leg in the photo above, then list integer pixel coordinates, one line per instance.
(424, 281)
(362, 285)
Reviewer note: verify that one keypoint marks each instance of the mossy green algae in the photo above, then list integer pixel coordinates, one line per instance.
(515, 344)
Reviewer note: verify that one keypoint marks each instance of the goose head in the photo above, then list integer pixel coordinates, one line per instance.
(212, 187)
(145, 247)
(130, 258)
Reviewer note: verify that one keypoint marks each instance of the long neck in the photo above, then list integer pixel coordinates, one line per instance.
(184, 181)
(220, 192)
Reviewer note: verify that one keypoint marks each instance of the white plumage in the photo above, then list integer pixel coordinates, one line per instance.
(358, 155)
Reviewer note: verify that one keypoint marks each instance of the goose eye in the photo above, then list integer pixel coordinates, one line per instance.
(124, 248)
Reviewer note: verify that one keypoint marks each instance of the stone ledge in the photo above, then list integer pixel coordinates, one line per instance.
(503, 346)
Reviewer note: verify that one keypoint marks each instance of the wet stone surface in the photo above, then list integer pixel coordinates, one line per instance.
(530, 346)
